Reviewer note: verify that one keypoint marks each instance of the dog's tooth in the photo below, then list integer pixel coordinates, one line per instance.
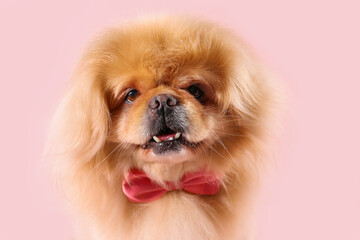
(158, 140)
(177, 135)
(171, 138)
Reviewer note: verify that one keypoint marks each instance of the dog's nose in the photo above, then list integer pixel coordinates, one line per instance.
(166, 114)
(163, 101)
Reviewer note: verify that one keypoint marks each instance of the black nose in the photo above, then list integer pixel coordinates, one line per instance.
(163, 101)
(166, 113)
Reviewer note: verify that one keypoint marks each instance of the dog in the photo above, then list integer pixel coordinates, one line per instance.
(162, 133)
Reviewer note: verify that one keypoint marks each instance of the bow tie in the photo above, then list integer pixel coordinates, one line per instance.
(140, 188)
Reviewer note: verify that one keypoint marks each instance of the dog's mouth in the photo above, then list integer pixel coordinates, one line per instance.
(167, 141)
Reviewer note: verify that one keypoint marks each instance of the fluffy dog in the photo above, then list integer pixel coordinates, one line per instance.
(160, 100)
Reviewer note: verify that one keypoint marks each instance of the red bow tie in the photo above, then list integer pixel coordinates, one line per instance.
(139, 188)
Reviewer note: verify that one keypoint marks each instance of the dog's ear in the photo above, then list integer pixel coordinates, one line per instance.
(82, 121)
(250, 91)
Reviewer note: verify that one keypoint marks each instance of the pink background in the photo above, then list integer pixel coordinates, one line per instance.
(313, 46)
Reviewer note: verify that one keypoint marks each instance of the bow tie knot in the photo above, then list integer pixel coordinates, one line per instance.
(138, 187)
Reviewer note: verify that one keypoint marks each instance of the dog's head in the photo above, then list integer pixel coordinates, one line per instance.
(165, 94)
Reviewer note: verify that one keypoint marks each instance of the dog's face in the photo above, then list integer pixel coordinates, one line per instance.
(169, 120)
(169, 92)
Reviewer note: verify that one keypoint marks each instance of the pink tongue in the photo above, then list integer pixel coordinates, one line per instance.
(166, 137)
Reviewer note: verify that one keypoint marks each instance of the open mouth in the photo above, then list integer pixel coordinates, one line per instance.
(167, 137)
(167, 141)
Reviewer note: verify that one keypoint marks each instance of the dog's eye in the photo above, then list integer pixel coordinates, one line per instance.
(131, 96)
(195, 91)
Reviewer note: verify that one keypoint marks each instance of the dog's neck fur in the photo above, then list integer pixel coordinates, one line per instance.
(177, 215)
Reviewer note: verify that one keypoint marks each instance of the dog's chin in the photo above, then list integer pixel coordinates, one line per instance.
(168, 157)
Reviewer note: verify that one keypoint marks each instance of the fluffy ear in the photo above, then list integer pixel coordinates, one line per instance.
(81, 122)
(254, 96)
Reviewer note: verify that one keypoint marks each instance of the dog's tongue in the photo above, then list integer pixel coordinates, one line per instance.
(166, 137)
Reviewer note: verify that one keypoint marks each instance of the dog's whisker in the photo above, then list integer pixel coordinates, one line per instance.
(214, 150)
(119, 145)
(123, 150)
(206, 152)
(222, 144)
(222, 116)
(228, 120)
(229, 134)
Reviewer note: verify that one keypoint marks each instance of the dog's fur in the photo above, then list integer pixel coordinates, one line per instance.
(98, 135)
